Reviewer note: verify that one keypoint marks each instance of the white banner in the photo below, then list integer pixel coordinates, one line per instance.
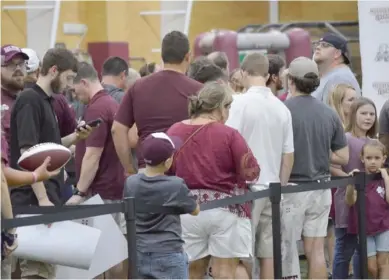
(374, 47)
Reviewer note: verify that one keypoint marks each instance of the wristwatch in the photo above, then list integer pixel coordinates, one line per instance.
(79, 193)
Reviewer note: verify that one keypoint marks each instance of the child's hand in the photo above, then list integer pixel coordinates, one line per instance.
(384, 173)
(352, 172)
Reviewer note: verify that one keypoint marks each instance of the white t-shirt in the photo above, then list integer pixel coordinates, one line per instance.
(266, 125)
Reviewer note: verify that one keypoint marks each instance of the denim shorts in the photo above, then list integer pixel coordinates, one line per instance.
(163, 265)
(378, 243)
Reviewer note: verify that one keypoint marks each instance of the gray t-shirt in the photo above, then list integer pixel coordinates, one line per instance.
(159, 233)
(317, 129)
(341, 75)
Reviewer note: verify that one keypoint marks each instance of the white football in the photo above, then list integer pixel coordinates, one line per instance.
(32, 158)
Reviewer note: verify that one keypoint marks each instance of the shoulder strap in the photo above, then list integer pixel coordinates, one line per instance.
(189, 138)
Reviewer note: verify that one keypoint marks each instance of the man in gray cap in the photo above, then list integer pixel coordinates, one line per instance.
(317, 130)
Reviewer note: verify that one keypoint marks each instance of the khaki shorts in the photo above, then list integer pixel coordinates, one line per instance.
(218, 233)
(118, 217)
(308, 212)
(33, 268)
(6, 268)
(262, 229)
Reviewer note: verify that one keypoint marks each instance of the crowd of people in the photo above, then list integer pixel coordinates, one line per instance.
(190, 131)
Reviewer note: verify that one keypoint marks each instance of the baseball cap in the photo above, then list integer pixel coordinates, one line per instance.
(339, 43)
(33, 61)
(158, 147)
(301, 66)
(9, 51)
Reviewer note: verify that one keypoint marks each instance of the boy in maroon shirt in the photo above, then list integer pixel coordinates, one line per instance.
(377, 210)
(157, 101)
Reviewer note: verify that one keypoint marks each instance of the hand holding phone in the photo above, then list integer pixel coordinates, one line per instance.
(92, 124)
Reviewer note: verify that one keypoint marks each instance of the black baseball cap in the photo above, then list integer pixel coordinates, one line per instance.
(338, 43)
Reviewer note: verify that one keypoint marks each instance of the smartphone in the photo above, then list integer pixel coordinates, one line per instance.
(91, 123)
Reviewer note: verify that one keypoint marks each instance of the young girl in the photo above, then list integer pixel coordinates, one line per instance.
(340, 99)
(377, 210)
(361, 126)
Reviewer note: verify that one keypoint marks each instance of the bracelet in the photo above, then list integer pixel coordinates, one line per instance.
(35, 177)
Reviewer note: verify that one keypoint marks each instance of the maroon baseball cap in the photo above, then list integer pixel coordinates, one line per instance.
(9, 51)
(158, 147)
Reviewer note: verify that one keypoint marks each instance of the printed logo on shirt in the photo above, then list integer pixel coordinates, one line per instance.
(381, 191)
(4, 107)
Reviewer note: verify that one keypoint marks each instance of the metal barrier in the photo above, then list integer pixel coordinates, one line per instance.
(130, 207)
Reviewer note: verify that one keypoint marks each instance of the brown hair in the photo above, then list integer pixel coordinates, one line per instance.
(146, 69)
(358, 103)
(336, 98)
(212, 96)
(87, 72)
(256, 64)
(306, 85)
(62, 58)
(276, 62)
(376, 144)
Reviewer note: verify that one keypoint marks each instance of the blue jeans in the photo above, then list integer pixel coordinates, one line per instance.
(346, 247)
(163, 265)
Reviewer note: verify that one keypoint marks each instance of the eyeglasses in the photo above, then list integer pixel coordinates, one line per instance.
(323, 45)
(13, 66)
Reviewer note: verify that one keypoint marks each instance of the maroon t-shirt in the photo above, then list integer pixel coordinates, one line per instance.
(216, 158)
(7, 103)
(377, 210)
(65, 115)
(4, 150)
(109, 179)
(156, 102)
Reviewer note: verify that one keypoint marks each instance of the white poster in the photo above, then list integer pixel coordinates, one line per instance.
(42, 243)
(374, 47)
(111, 249)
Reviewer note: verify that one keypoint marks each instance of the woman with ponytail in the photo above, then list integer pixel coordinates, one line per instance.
(215, 163)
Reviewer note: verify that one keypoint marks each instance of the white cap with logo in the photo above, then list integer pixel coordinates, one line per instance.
(33, 61)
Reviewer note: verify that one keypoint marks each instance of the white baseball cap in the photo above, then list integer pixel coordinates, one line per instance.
(33, 61)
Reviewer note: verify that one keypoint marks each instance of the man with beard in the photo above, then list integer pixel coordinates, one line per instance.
(33, 121)
(13, 71)
(66, 116)
(276, 68)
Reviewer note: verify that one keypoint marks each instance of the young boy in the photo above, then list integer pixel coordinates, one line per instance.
(159, 243)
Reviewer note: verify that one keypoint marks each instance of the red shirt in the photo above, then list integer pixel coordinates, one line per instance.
(4, 150)
(65, 115)
(377, 210)
(156, 102)
(109, 179)
(7, 103)
(217, 158)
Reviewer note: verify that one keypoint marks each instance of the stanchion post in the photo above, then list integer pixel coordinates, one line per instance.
(275, 199)
(361, 208)
(129, 214)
